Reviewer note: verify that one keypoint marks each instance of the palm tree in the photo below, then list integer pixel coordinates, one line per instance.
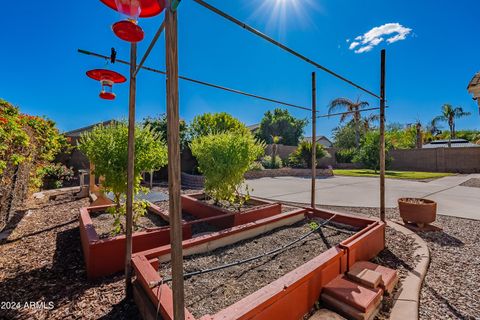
(347, 105)
(449, 114)
(369, 120)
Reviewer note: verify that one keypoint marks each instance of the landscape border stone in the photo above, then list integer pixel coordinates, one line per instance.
(407, 300)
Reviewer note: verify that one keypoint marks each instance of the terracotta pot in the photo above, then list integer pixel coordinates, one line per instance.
(419, 213)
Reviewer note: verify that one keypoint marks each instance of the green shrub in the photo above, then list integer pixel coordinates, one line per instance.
(213, 123)
(256, 166)
(280, 123)
(55, 174)
(345, 155)
(269, 162)
(106, 147)
(369, 153)
(223, 159)
(302, 157)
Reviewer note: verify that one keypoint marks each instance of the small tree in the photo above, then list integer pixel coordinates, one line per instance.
(281, 123)
(302, 157)
(106, 147)
(159, 125)
(369, 152)
(223, 159)
(213, 123)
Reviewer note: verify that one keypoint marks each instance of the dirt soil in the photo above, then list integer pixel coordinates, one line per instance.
(210, 292)
(451, 287)
(103, 223)
(42, 262)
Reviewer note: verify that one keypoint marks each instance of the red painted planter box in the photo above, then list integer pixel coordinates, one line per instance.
(289, 297)
(263, 209)
(107, 256)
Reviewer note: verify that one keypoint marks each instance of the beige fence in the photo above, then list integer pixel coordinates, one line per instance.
(462, 160)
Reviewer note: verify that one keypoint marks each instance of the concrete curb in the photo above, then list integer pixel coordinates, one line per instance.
(407, 299)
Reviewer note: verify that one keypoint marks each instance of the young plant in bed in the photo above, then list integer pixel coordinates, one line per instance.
(106, 148)
(223, 159)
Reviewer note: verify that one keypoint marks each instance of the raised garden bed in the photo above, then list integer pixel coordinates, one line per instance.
(289, 297)
(104, 254)
(198, 205)
(211, 292)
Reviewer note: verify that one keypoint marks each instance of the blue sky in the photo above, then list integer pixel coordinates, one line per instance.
(43, 74)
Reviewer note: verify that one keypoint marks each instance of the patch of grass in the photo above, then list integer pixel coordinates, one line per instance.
(414, 175)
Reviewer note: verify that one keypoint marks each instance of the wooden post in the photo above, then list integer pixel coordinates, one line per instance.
(314, 137)
(382, 136)
(173, 139)
(130, 170)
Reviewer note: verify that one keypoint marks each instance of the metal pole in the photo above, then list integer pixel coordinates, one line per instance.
(314, 137)
(130, 171)
(173, 140)
(382, 136)
(150, 47)
(280, 45)
(204, 83)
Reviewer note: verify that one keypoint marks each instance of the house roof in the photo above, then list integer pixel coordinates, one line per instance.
(309, 139)
(456, 143)
(253, 127)
(77, 132)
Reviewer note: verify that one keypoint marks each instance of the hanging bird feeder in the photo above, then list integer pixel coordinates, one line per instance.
(128, 29)
(107, 78)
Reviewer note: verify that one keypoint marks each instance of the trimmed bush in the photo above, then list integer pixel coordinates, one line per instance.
(54, 175)
(345, 155)
(302, 157)
(223, 159)
(269, 162)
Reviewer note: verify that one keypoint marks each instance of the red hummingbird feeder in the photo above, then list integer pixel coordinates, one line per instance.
(107, 78)
(128, 29)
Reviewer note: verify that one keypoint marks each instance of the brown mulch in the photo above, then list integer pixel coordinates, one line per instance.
(210, 292)
(473, 183)
(42, 261)
(451, 287)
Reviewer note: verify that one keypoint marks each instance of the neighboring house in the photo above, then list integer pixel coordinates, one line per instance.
(322, 140)
(74, 135)
(456, 143)
(76, 159)
(254, 128)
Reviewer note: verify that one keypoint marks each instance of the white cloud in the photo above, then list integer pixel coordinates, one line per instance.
(390, 32)
(353, 45)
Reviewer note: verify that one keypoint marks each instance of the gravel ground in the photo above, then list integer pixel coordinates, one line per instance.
(208, 293)
(474, 183)
(451, 289)
(42, 261)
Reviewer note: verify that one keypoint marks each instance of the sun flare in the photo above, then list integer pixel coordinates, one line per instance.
(279, 14)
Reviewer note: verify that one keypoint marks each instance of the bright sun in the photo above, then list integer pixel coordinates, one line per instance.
(279, 13)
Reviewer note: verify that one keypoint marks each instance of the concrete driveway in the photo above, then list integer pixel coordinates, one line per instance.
(452, 199)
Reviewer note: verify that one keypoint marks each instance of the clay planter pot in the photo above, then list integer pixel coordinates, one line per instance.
(418, 211)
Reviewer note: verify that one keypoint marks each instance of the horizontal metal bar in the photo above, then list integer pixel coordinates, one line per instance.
(347, 112)
(282, 46)
(201, 82)
(150, 47)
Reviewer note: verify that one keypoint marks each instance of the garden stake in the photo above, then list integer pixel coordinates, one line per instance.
(382, 136)
(173, 139)
(314, 137)
(130, 171)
